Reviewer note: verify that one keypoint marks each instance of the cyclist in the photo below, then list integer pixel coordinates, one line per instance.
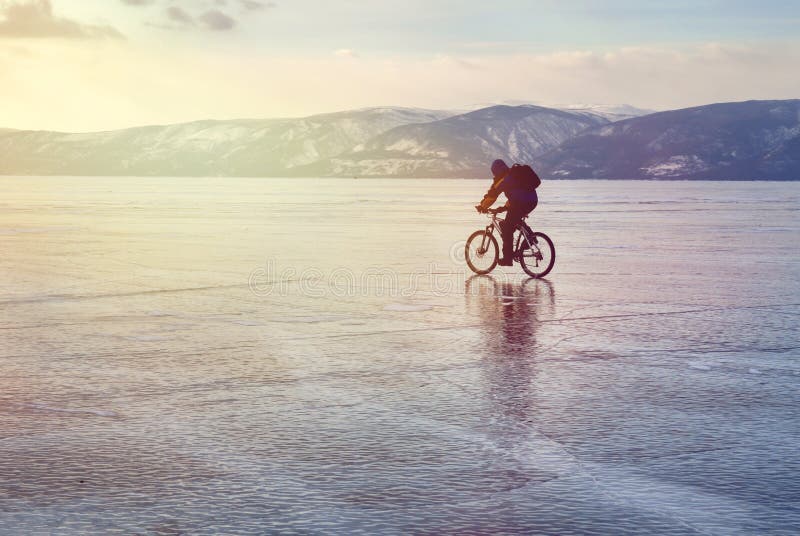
(522, 199)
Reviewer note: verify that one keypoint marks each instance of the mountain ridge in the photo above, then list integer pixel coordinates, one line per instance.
(738, 140)
(460, 145)
(748, 140)
(205, 147)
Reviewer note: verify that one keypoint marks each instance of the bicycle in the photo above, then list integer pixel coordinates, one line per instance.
(533, 250)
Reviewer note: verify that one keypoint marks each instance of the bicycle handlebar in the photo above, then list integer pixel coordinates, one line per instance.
(490, 210)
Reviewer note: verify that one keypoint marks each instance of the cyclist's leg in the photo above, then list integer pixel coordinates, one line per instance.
(528, 208)
(513, 218)
(532, 205)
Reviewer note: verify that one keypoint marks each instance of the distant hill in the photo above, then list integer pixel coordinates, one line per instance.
(744, 140)
(741, 140)
(460, 146)
(247, 147)
(612, 112)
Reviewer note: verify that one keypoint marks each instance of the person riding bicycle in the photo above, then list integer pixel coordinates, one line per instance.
(522, 199)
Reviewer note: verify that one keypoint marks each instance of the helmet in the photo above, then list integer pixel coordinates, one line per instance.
(499, 168)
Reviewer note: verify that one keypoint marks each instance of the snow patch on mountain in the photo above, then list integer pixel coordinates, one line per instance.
(676, 166)
(612, 112)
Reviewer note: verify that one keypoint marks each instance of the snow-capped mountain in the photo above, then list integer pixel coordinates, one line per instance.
(460, 146)
(255, 147)
(612, 112)
(746, 140)
(740, 140)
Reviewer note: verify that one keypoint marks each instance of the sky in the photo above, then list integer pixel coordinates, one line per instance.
(88, 65)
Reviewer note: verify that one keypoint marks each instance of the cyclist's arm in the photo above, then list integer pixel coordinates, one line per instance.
(487, 201)
(493, 193)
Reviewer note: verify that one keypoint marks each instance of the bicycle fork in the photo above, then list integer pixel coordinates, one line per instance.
(485, 240)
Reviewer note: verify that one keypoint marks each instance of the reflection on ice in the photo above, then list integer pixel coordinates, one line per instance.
(511, 309)
(648, 386)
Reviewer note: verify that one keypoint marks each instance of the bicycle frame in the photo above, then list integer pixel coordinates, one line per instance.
(495, 225)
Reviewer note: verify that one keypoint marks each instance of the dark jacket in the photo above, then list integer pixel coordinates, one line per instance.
(516, 192)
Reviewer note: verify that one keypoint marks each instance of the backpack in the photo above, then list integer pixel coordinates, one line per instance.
(525, 175)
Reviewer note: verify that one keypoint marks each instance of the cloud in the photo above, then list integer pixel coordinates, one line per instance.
(216, 20)
(120, 86)
(213, 19)
(177, 14)
(346, 53)
(35, 19)
(254, 5)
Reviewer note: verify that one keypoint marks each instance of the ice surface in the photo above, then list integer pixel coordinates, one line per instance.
(98, 412)
(407, 307)
(198, 356)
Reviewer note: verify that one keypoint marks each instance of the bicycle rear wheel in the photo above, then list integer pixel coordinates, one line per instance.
(481, 252)
(539, 257)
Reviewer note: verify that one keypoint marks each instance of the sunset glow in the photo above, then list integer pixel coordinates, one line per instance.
(78, 65)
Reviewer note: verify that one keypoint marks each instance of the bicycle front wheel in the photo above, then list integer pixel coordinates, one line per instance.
(481, 252)
(538, 259)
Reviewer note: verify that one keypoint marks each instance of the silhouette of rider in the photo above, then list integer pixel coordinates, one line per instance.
(521, 201)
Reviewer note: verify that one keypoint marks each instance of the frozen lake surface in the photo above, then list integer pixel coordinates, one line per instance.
(208, 356)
